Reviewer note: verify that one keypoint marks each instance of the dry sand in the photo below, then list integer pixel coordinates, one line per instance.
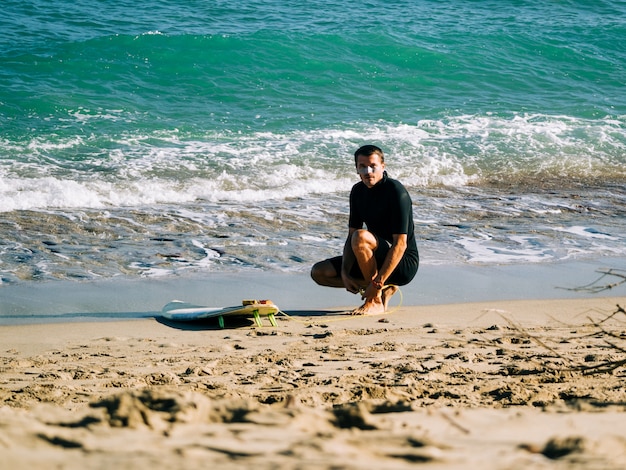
(492, 385)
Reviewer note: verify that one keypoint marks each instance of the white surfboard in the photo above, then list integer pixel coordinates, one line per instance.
(178, 310)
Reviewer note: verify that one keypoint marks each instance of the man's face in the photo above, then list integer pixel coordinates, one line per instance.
(370, 169)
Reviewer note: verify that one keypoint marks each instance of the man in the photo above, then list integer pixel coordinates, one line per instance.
(378, 259)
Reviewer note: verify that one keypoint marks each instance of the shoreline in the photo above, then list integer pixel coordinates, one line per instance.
(119, 299)
(36, 338)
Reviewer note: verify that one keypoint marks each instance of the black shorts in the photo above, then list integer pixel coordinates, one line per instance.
(401, 276)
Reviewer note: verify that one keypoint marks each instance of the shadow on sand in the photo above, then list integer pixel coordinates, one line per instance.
(312, 316)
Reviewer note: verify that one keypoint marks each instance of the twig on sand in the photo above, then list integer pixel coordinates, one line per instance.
(454, 423)
(594, 287)
(619, 310)
(536, 339)
(603, 368)
(610, 338)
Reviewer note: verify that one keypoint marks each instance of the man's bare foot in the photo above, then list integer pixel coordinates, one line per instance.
(387, 293)
(371, 307)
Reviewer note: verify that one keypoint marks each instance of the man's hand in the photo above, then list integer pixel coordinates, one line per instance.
(371, 292)
(350, 283)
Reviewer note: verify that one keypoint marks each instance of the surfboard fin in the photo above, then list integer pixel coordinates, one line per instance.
(257, 318)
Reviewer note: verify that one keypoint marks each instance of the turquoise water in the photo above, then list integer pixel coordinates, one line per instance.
(165, 137)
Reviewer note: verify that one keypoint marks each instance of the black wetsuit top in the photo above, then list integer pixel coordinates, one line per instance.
(386, 209)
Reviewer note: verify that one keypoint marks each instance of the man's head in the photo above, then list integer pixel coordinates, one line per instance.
(370, 164)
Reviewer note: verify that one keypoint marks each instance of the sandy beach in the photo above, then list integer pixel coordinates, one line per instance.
(496, 384)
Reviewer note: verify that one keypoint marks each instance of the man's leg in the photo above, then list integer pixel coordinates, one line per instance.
(364, 245)
(387, 293)
(325, 274)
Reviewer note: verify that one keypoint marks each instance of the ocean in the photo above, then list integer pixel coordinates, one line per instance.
(165, 138)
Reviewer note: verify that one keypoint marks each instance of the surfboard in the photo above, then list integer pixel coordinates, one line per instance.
(178, 310)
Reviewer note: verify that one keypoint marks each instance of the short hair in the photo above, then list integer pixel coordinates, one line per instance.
(367, 150)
